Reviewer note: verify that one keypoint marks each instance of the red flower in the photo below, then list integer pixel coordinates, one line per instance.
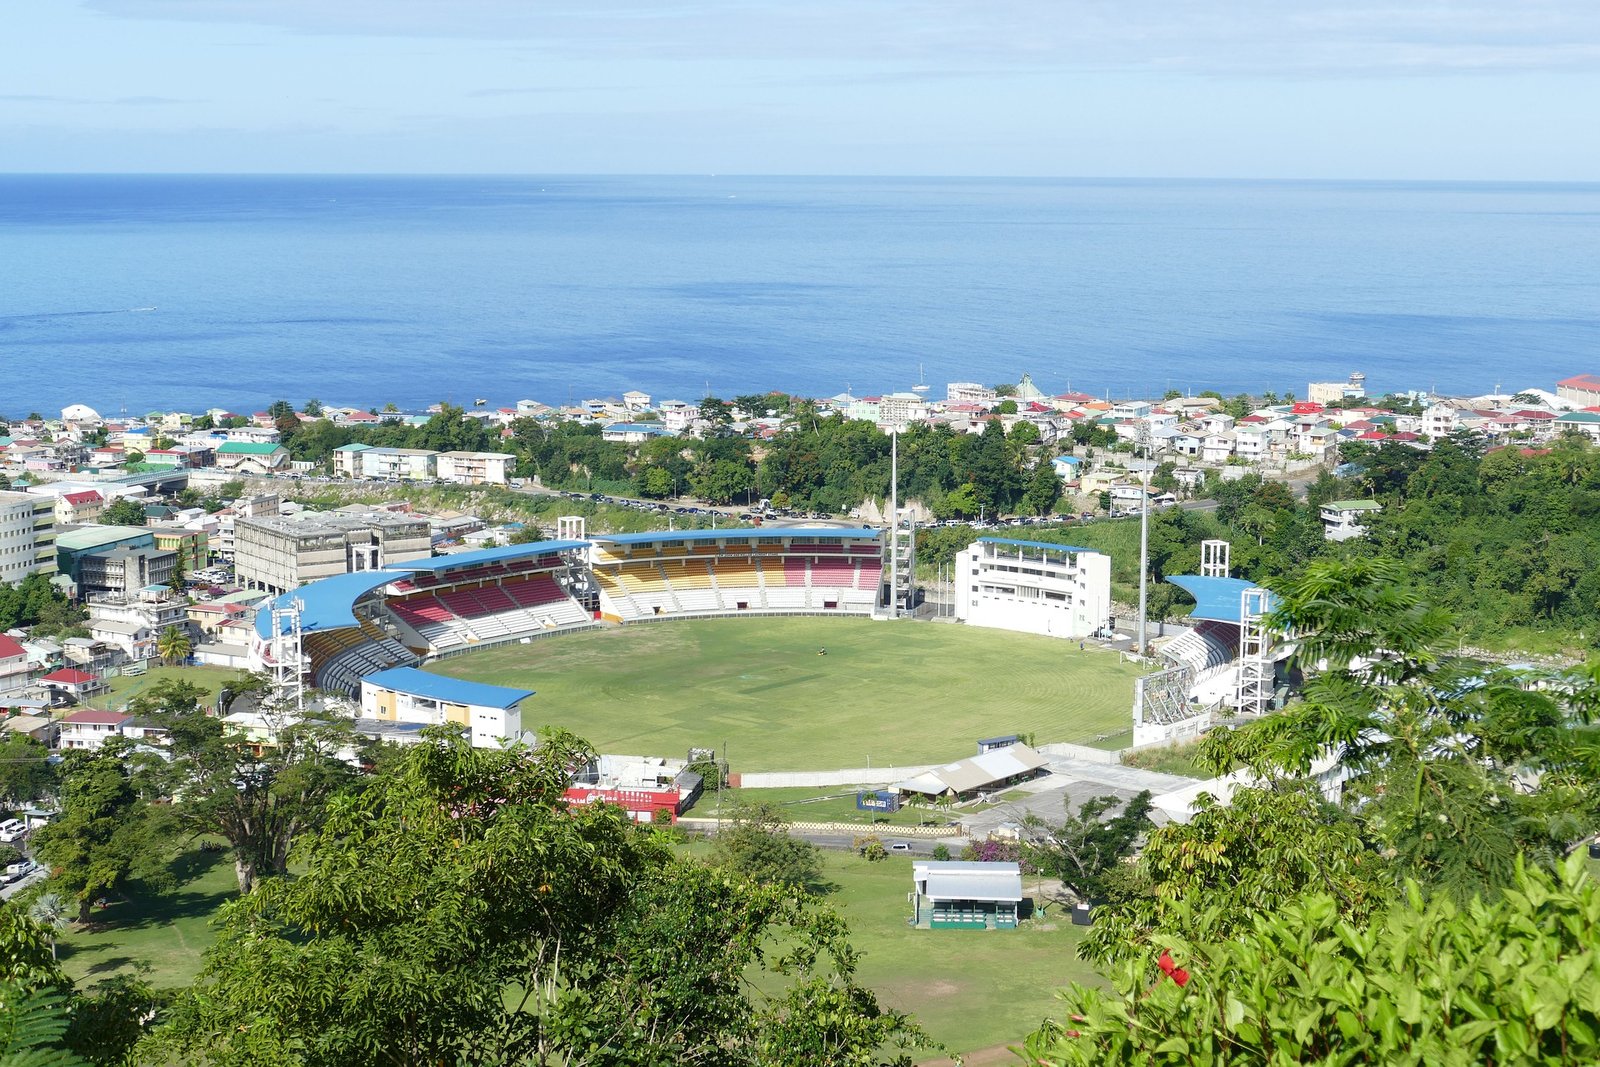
(1172, 970)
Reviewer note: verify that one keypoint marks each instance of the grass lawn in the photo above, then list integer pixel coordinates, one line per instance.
(812, 804)
(159, 937)
(886, 693)
(124, 689)
(971, 989)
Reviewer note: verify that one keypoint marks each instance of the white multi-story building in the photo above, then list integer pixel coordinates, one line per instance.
(1343, 519)
(134, 621)
(901, 408)
(475, 468)
(89, 729)
(1033, 587)
(970, 393)
(27, 536)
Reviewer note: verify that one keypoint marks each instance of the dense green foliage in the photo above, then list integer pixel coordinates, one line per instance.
(454, 909)
(1514, 980)
(107, 837)
(758, 847)
(260, 799)
(35, 603)
(1308, 926)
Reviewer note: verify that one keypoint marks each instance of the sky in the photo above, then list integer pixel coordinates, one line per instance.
(1387, 89)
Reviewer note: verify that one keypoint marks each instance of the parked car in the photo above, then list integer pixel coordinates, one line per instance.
(900, 846)
(12, 829)
(16, 872)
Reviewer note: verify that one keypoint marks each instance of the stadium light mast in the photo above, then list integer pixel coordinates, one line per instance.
(894, 522)
(1144, 541)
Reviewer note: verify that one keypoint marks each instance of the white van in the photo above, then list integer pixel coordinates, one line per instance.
(12, 829)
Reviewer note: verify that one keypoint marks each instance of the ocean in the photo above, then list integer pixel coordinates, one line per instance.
(132, 293)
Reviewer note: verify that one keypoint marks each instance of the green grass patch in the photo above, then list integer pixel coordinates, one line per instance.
(125, 688)
(832, 804)
(158, 937)
(886, 693)
(971, 989)
(1179, 759)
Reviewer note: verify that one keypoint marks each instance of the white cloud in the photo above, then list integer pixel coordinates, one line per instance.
(1194, 36)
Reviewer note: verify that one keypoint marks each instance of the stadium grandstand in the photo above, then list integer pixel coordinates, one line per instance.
(1033, 587)
(350, 626)
(1214, 651)
(785, 570)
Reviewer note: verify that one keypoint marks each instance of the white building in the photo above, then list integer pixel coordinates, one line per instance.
(901, 408)
(970, 393)
(490, 713)
(280, 553)
(1033, 587)
(475, 468)
(90, 729)
(134, 621)
(1343, 519)
(27, 535)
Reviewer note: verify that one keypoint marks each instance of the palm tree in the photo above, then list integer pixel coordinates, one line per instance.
(51, 911)
(174, 645)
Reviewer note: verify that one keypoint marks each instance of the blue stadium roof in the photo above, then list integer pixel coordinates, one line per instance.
(327, 602)
(1034, 544)
(771, 533)
(451, 690)
(1216, 599)
(487, 555)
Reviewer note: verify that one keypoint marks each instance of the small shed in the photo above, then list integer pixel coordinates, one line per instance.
(966, 895)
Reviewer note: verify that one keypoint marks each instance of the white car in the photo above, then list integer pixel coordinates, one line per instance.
(12, 829)
(16, 872)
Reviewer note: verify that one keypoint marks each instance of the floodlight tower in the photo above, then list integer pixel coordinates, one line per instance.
(1143, 439)
(894, 522)
(1253, 686)
(1214, 558)
(288, 655)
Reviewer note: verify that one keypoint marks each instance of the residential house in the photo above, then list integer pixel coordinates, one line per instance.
(1584, 422)
(89, 729)
(71, 683)
(1217, 447)
(79, 507)
(244, 457)
(16, 673)
(1344, 519)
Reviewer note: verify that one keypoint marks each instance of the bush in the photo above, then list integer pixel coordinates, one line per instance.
(941, 853)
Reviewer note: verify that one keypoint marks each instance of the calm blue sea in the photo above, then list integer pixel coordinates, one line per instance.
(139, 292)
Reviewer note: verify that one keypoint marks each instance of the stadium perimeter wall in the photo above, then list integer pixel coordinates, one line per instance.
(862, 776)
(1104, 757)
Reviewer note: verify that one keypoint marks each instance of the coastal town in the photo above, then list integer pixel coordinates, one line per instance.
(172, 528)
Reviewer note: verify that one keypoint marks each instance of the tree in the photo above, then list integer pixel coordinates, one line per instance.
(180, 570)
(50, 911)
(759, 848)
(1044, 489)
(1006, 407)
(454, 909)
(961, 502)
(313, 408)
(1083, 847)
(1421, 982)
(1247, 856)
(106, 837)
(124, 512)
(1459, 772)
(173, 645)
(261, 799)
(26, 773)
